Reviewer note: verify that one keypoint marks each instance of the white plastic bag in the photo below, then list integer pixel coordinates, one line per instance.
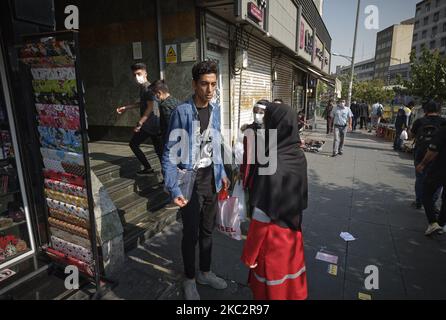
(228, 220)
(240, 194)
(404, 135)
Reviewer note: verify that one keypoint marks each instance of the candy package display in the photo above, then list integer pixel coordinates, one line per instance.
(68, 208)
(55, 122)
(67, 260)
(50, 62)
(83, 242)
(67, 188)
(48, 48)
(53, 165)
(64, 177)
(72, 250)
(53, 73)
(58, 116)
(10, 245)
(60, 139)
(69, 199)
(68, 227)
(60, 215)
(55, 86)
(7, 148)
(64, 156)
(74, 169)
(56, 98)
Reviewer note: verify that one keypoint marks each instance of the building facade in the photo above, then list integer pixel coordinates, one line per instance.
(398, 73)
(265, 50)
(364, 70)
(430, 26)
(393, 47)
(320, 6)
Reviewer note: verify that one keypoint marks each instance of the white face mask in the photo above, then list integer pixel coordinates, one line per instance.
(258, 118)
(140, 79)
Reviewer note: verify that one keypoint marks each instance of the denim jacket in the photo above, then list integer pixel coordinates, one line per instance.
(185, 117)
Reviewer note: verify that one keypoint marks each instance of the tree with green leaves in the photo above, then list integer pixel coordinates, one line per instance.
(428, 76)
(372, 91)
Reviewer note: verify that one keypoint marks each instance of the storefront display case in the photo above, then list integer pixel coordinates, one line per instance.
(16, 232)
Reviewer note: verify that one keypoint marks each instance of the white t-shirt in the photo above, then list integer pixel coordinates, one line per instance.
(376, 107)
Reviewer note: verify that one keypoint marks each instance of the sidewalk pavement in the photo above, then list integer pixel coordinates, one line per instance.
(366, 192)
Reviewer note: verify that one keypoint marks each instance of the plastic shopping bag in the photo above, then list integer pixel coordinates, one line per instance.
(228, 220)
(240, 194)
(404, 135)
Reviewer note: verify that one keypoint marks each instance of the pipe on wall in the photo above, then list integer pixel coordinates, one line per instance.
(160, 40)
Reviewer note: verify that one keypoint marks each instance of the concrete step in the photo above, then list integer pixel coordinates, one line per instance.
(134, 205)
(122, 187)
(126, 167)
(136, 234)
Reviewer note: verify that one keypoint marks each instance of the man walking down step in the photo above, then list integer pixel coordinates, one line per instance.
(342, 121)
(149, 124)
(198, 148)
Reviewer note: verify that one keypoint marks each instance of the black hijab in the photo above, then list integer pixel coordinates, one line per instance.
(284, 195)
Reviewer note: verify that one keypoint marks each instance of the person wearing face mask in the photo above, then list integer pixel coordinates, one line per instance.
(149, 124)
(341, 120)
(167, 104)
(247, 169)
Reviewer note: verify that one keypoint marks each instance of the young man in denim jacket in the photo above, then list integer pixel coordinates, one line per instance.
(184, 149)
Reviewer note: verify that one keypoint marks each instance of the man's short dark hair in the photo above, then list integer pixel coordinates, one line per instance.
(159, 85)
(431, 107)
(204, 67)
(138, 66)
(411, 104)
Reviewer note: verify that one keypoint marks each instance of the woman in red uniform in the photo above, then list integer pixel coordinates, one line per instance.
(274, 249)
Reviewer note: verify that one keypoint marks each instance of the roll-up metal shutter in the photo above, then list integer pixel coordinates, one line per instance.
(283, 86)
(217, 31)
(255, 84)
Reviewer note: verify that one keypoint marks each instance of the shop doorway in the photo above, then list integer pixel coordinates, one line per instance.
(221, 57)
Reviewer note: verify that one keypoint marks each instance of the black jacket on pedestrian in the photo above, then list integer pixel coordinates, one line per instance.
(364, 110)
(401, 120)
(356, 110)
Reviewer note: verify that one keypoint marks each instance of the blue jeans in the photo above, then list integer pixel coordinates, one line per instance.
(419, 185)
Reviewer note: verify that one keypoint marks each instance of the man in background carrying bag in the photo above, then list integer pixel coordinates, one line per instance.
(190, 122)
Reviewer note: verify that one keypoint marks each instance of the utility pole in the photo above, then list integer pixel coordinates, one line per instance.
(352, 72)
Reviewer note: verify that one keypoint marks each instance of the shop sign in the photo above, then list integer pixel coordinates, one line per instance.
(306, 41)
(326, 65)
(318, 58)
(255, 12)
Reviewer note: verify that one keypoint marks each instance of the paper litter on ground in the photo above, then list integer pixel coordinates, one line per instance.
(347, 236)
(327, 257)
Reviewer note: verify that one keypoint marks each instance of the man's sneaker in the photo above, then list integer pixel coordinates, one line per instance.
(341, 153)
(334, 155)
(190, 290)
(433, 227)
(145, 172)
(212, 280)
(171, 206)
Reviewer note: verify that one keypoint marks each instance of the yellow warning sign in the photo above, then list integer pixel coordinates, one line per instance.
(333, 269)
(171, 54)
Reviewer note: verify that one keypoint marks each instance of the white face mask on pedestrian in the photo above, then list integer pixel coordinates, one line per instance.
(140, 79)
(258, 118)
